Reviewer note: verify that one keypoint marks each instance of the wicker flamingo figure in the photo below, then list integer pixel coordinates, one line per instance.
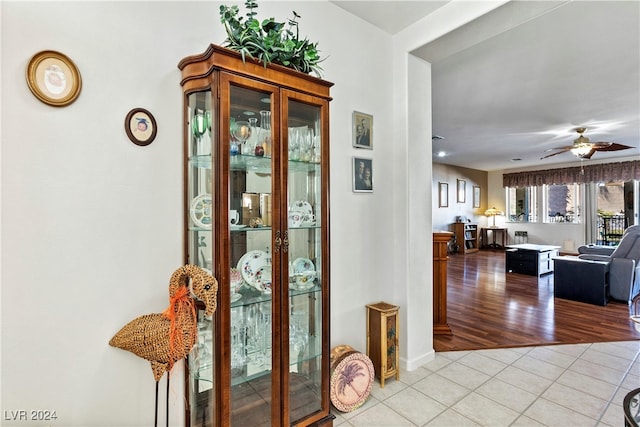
(164, 338)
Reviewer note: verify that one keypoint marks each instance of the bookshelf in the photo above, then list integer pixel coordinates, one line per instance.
(466, 236)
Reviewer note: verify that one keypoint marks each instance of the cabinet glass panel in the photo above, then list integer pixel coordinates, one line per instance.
(200, 248)
(304, 181)
(250, 253)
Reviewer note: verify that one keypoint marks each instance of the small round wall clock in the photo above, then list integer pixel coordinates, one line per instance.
(140, 126)
(53, 78)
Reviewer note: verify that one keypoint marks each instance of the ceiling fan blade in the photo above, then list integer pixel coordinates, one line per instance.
(582, 144)
(561, 150)
(567, 148)
(589, 154)
(613, 147)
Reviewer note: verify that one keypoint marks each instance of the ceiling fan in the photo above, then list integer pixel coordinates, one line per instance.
(583, 148)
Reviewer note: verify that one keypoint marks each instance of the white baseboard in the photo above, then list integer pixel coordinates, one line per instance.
(416, 362)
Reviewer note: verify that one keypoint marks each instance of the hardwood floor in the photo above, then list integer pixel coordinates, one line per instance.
(488, 308)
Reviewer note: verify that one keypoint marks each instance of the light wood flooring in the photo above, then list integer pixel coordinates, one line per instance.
(488, 308)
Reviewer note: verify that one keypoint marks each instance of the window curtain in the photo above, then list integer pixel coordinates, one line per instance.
(589, 213)
(605, 172)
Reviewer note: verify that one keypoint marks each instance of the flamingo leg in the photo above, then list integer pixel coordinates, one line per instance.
(168, 378)
(155, 423)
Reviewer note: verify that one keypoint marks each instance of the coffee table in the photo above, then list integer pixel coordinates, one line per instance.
(527, 258)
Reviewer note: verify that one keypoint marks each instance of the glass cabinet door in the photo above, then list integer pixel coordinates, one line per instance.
(200, 246)
(249, 253)
(305, 213)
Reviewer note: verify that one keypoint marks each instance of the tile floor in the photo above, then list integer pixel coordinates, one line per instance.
(561, 385)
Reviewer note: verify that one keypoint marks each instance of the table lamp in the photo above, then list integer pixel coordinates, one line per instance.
(493, 212)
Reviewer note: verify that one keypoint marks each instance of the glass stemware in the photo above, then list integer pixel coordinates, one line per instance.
(294, 144)
(241, 132)
(250, 145)
(199, 128)
(264, 141)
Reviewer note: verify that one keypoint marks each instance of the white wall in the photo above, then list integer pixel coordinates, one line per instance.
(92, 224)
(412, 235)
(444, 216)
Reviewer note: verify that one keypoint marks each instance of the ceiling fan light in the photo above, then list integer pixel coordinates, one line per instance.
(581, 140)
(581, 150)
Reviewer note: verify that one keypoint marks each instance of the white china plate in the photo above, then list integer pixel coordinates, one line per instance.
(237, 227)
(300, 265)
(200, 211)
(263, 279)
(301, 206)
(250, 263)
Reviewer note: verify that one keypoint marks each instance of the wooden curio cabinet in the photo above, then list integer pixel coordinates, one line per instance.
(257, 215)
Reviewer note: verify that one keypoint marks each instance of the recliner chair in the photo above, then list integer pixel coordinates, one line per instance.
(620, 266)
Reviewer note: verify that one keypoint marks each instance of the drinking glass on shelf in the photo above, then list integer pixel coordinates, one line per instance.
(264, 333)
(298, 335)
(239, 357)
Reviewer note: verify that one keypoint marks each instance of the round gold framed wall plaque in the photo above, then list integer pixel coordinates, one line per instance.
(53, 78)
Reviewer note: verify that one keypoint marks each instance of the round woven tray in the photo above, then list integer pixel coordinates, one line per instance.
(352, 375)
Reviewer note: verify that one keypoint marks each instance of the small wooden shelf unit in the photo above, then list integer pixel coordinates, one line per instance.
(382, 340)
(466, 236)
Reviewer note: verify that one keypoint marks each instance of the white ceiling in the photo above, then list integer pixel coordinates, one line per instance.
(518, 80)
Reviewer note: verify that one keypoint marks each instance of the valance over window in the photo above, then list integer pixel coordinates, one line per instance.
(605, 172)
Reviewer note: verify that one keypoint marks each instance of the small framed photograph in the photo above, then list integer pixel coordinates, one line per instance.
(476, 196)
(362, 124)
(53, 78)
(362, 175)
(140, 126)
(443, 194)
(462, 190)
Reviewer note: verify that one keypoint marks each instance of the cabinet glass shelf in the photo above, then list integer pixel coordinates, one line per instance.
(253, 296)
(241, 162)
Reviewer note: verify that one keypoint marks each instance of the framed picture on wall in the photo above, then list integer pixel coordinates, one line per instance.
(362, 125)
(476, 196)
(362, 175)
(443, 194)
(140, 126)
(462, 190)
(53, 78)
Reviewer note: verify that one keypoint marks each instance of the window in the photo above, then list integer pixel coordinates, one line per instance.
(522, 204)
(562, 203)
(608, 209)
(612, 220)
